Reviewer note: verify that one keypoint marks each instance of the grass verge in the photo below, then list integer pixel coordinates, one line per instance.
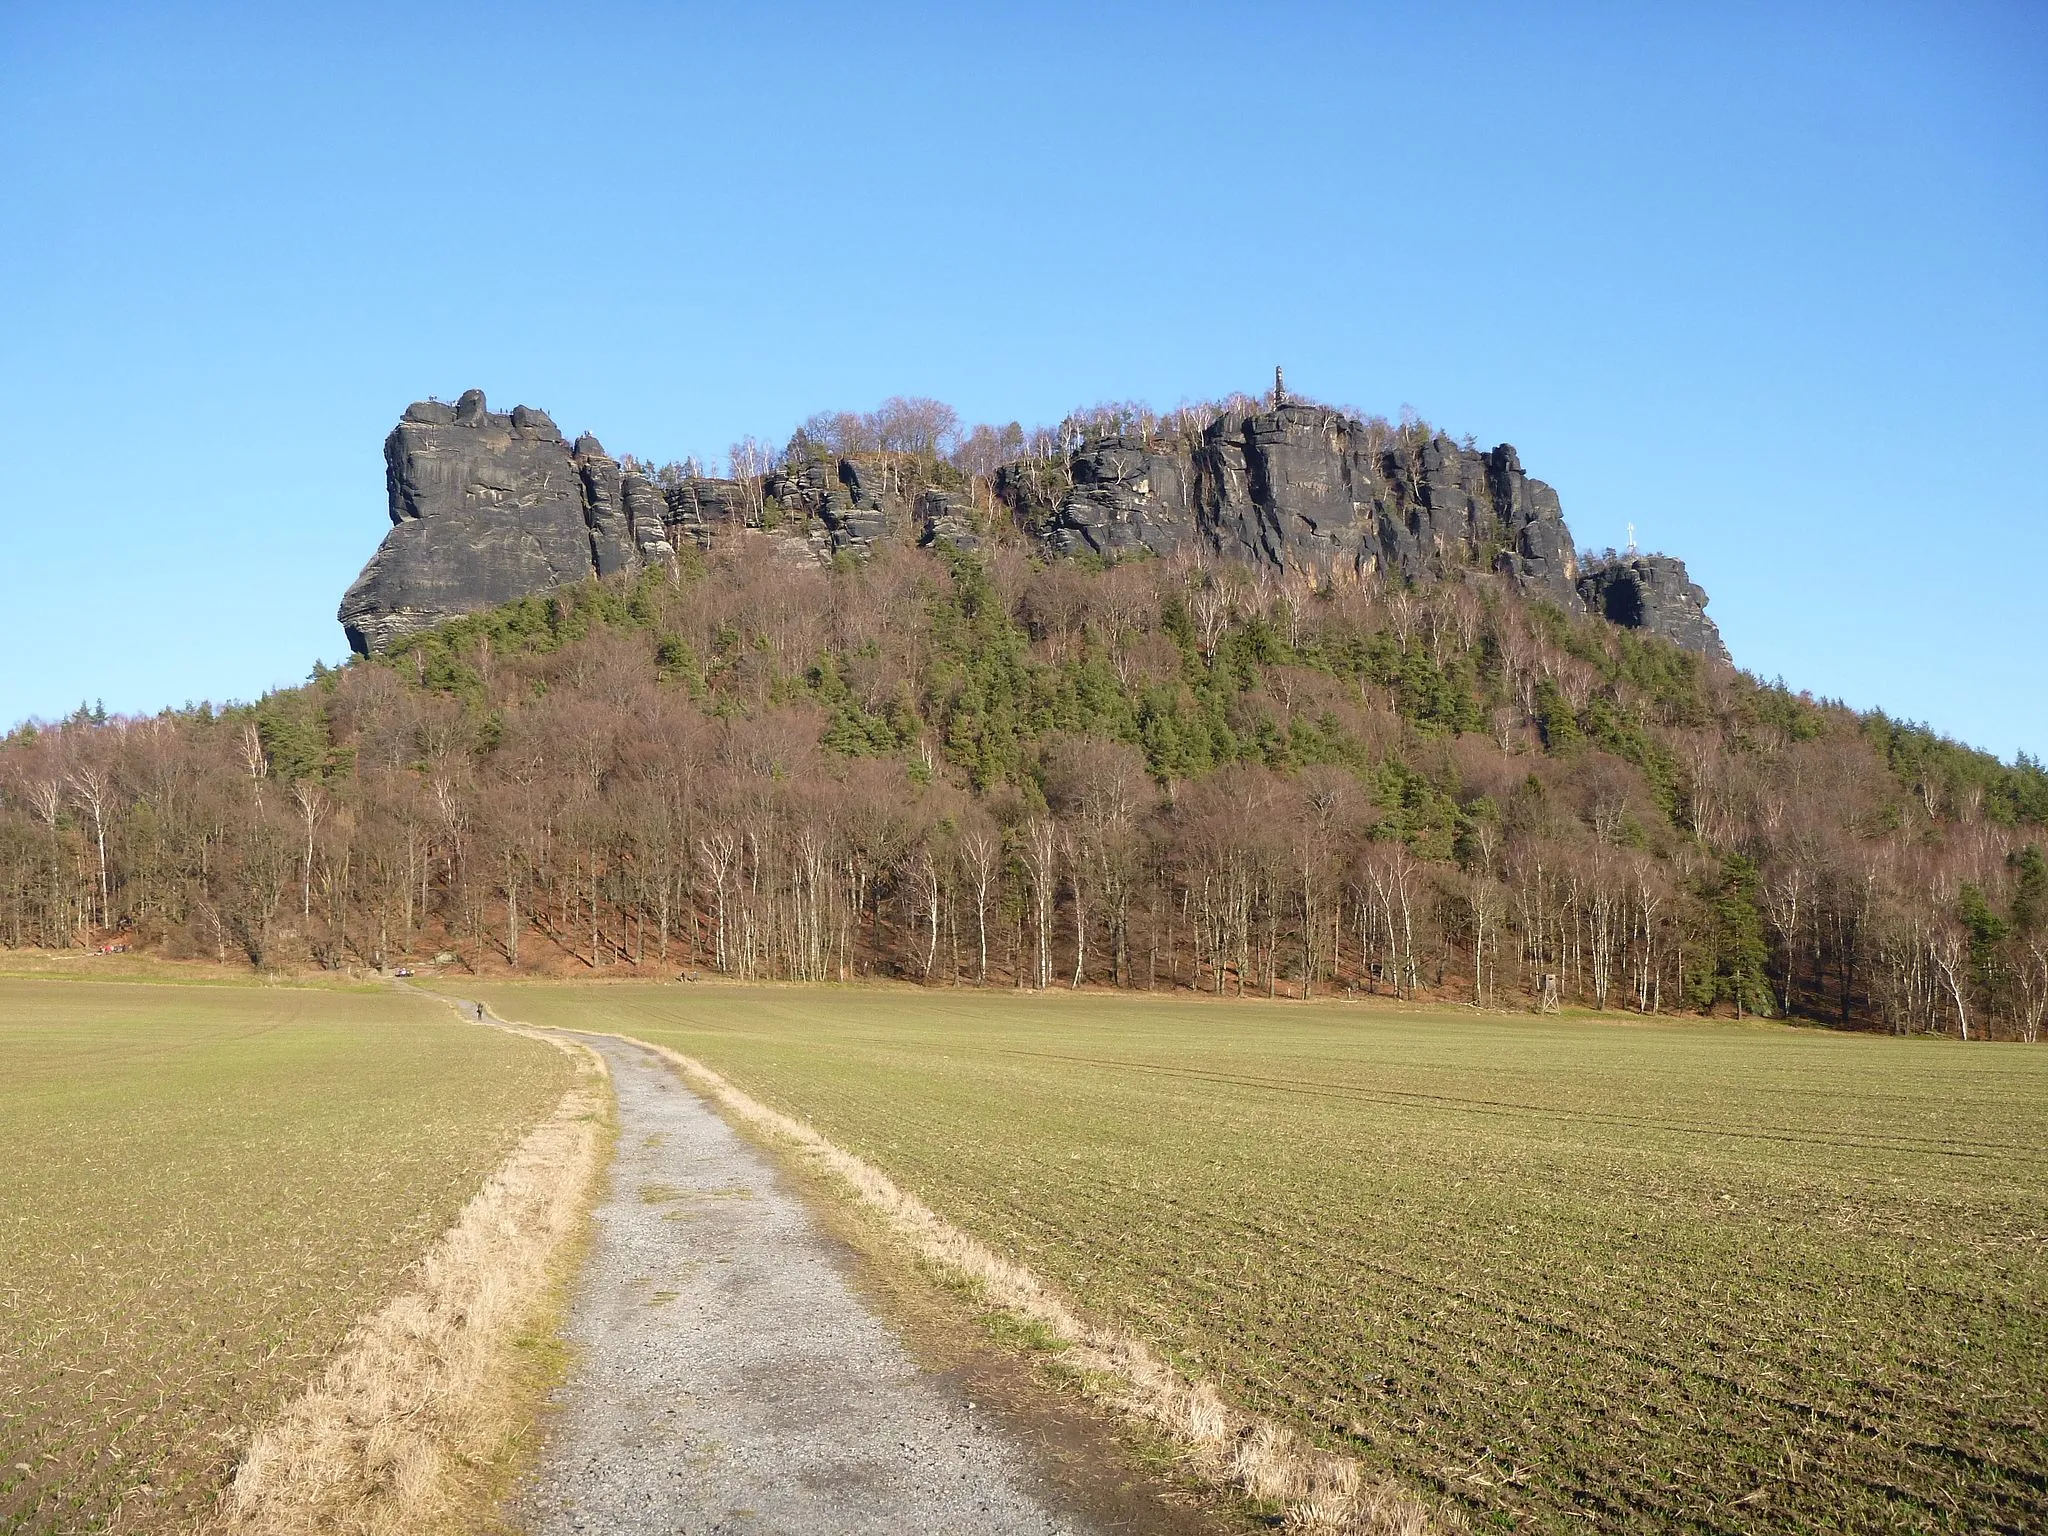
(206, 1187)
(416, 1425)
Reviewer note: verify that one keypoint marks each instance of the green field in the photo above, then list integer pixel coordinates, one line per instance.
(1570, 1274)
(204, 1186)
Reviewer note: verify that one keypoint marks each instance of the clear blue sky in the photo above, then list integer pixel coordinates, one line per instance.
(1770, 282)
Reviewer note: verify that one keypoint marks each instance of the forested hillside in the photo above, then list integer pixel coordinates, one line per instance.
(991, 770)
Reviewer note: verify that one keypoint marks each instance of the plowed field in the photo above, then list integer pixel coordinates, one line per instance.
(1568, 1274)
(201, 1188)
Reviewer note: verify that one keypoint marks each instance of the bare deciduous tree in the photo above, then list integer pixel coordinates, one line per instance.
(311, 800)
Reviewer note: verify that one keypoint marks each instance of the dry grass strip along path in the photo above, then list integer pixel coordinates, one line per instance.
(727, 1377)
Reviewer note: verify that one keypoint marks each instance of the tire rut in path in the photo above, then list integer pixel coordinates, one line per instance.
(727, 1377)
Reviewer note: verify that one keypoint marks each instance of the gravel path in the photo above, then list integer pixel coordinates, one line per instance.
(727, 1377)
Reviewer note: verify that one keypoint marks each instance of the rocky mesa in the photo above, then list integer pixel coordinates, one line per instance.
(489, 507)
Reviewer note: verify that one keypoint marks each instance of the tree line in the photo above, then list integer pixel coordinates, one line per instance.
(998, 771)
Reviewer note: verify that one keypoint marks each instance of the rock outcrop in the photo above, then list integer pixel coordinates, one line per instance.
(946, 519)
(1309, 491)
(697, 505)
(855, 501)
(1653, 593)
(489, 508)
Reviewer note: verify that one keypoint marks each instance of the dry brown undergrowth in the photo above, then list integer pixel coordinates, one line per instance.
(403, 1431)
(1320, 1492)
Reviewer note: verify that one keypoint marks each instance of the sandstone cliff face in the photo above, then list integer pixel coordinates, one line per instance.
(488, 508)
(1307, 491)
(1654, 593)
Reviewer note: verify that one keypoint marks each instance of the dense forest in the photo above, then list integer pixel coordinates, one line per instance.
(993, 769)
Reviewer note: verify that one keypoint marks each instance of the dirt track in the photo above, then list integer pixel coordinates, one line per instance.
(727, 1376)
